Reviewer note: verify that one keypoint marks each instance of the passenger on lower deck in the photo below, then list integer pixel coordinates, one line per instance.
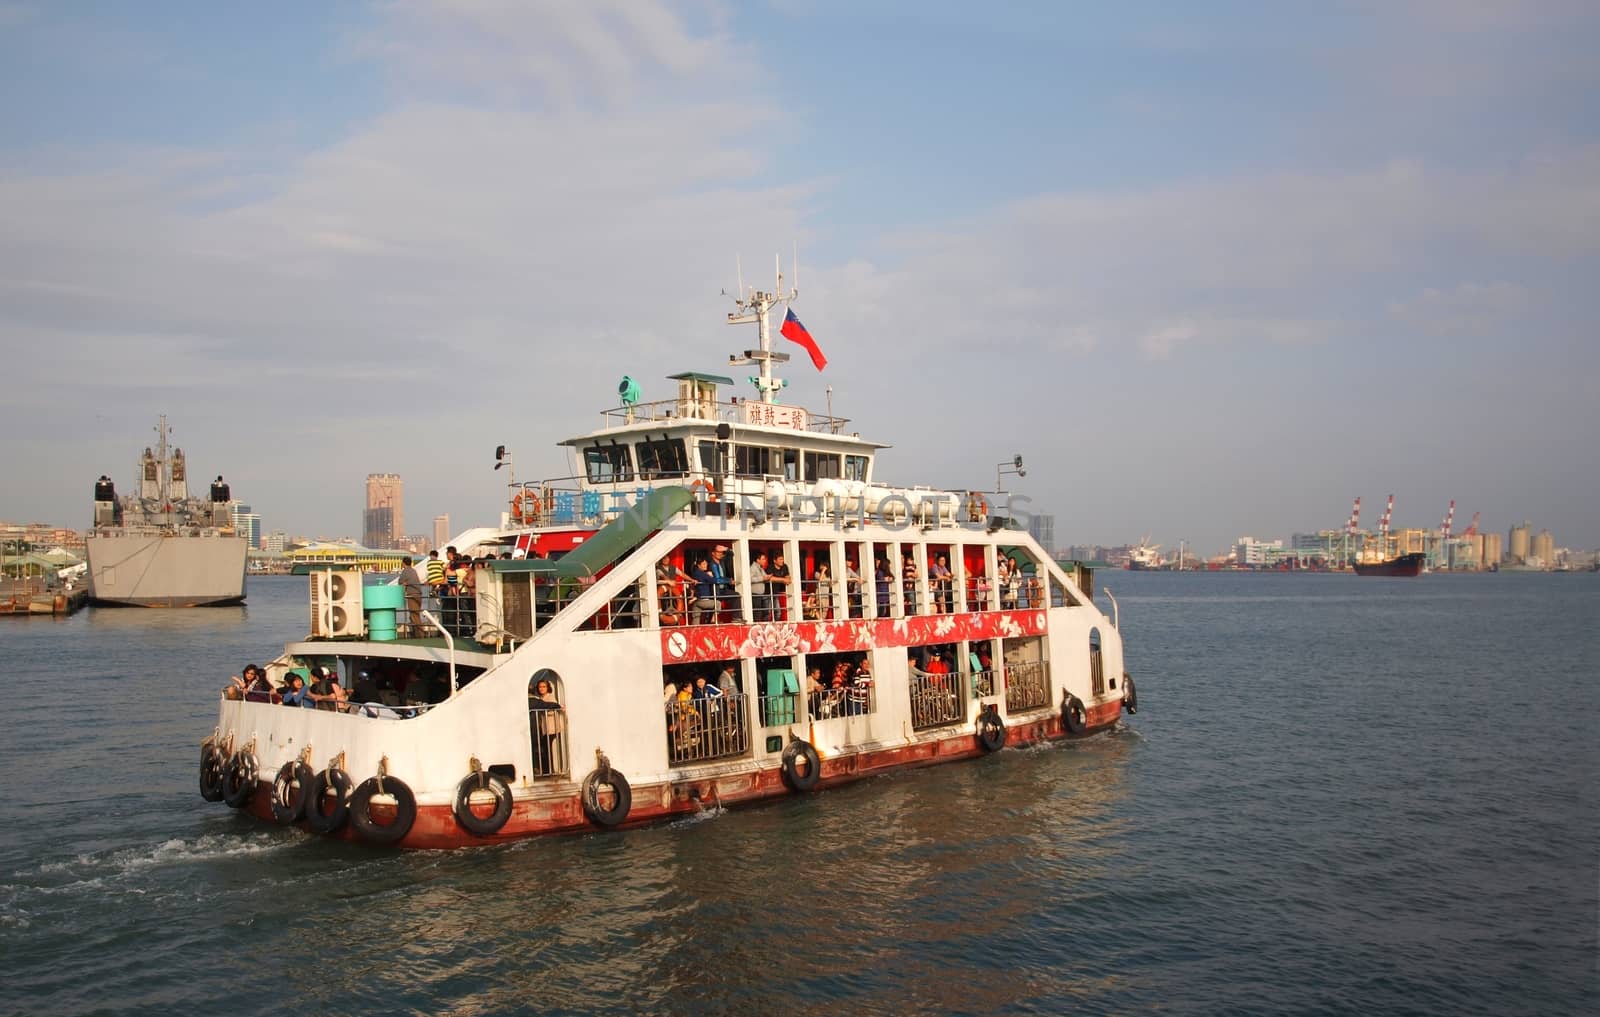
(294, 690)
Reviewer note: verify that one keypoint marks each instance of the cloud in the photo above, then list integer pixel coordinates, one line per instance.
(1465, 309)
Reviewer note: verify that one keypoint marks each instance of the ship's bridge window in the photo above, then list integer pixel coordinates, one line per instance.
(822, 466)
(607, 464)
(855, 468)
(791, 464)
(661, 457)
(752, 461)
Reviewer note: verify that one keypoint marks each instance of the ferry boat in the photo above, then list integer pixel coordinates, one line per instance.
(161, 547)
(636, 661)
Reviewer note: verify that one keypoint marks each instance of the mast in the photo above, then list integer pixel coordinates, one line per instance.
(756, 306)
(163, 464)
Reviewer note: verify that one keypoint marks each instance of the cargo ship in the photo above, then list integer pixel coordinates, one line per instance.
(723, 606)
(160, 547)
(1404, 565)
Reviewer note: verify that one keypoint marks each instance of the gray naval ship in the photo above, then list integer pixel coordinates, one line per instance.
(160, 547)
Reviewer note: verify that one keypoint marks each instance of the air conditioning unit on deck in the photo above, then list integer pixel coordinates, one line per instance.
(336, 604)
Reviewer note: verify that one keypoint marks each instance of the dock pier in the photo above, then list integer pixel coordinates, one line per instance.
(31, 598)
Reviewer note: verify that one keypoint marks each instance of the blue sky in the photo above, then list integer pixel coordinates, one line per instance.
(1212, 270)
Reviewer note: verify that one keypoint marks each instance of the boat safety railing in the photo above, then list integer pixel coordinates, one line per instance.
(709, 728)
(732, 411)
(548, 725)
(935, 698)
(850, 701)
(817, 600)
(983, 684)
(1027, 685)
(780, 710)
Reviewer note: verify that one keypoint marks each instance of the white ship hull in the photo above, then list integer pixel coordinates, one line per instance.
(166, 569)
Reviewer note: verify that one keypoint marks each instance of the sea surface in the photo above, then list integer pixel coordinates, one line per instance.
(1341, 795)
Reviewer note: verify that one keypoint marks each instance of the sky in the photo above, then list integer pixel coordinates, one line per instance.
(1212, 270)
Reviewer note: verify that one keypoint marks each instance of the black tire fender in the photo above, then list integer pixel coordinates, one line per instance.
(1074, 718)
(405, 810)
(1130, 694)
(793, 754)
(290, 791)
(239, 780)
(482, 826)
(991, 731)
(591, 797)
(318, 820)
(213, 767)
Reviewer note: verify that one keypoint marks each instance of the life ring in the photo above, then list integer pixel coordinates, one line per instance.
(1073, 716)
(977, 507)
(405, 810)
(239, 780)
(1130, 695)
(483, 780)
(525, 507)
(704, 485)
(797, 780)
(212, 769)
(619, 788)
(290, 789)
(991, 731)
(320, 821)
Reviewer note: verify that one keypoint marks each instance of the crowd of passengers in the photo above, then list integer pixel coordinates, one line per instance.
(392, 692)
(452, 581)
(707, 590)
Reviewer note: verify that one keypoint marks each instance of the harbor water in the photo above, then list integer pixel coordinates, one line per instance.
(1341, 795)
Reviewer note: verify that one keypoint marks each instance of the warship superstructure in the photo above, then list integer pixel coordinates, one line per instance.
(159, 547)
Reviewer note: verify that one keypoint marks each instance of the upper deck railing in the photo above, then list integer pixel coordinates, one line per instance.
(732, 411)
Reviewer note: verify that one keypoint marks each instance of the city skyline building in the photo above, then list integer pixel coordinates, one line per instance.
(245, 522)
(383, 522)
(441, 530)
(1043, 529)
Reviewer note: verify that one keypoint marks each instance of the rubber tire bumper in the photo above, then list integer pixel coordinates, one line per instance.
(792, 754)
(239, 780)
(405, 810)
(991, 731)
(591, 798)
(213, 768)
(284, 809)
(482, 826)
(1130, 695)
(1074, 718)
(318, 821)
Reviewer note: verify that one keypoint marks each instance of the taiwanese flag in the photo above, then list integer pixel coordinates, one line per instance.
(796, 333)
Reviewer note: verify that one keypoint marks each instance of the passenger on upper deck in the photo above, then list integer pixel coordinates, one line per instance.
(705, 591)
(411, 582)
(727, 596)
(435, 572)
(760, 603)
(669, 593)
(819, 602)
(778, 581)
(881, 579)
(939, 585)
(852, 588)
(908, 583)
